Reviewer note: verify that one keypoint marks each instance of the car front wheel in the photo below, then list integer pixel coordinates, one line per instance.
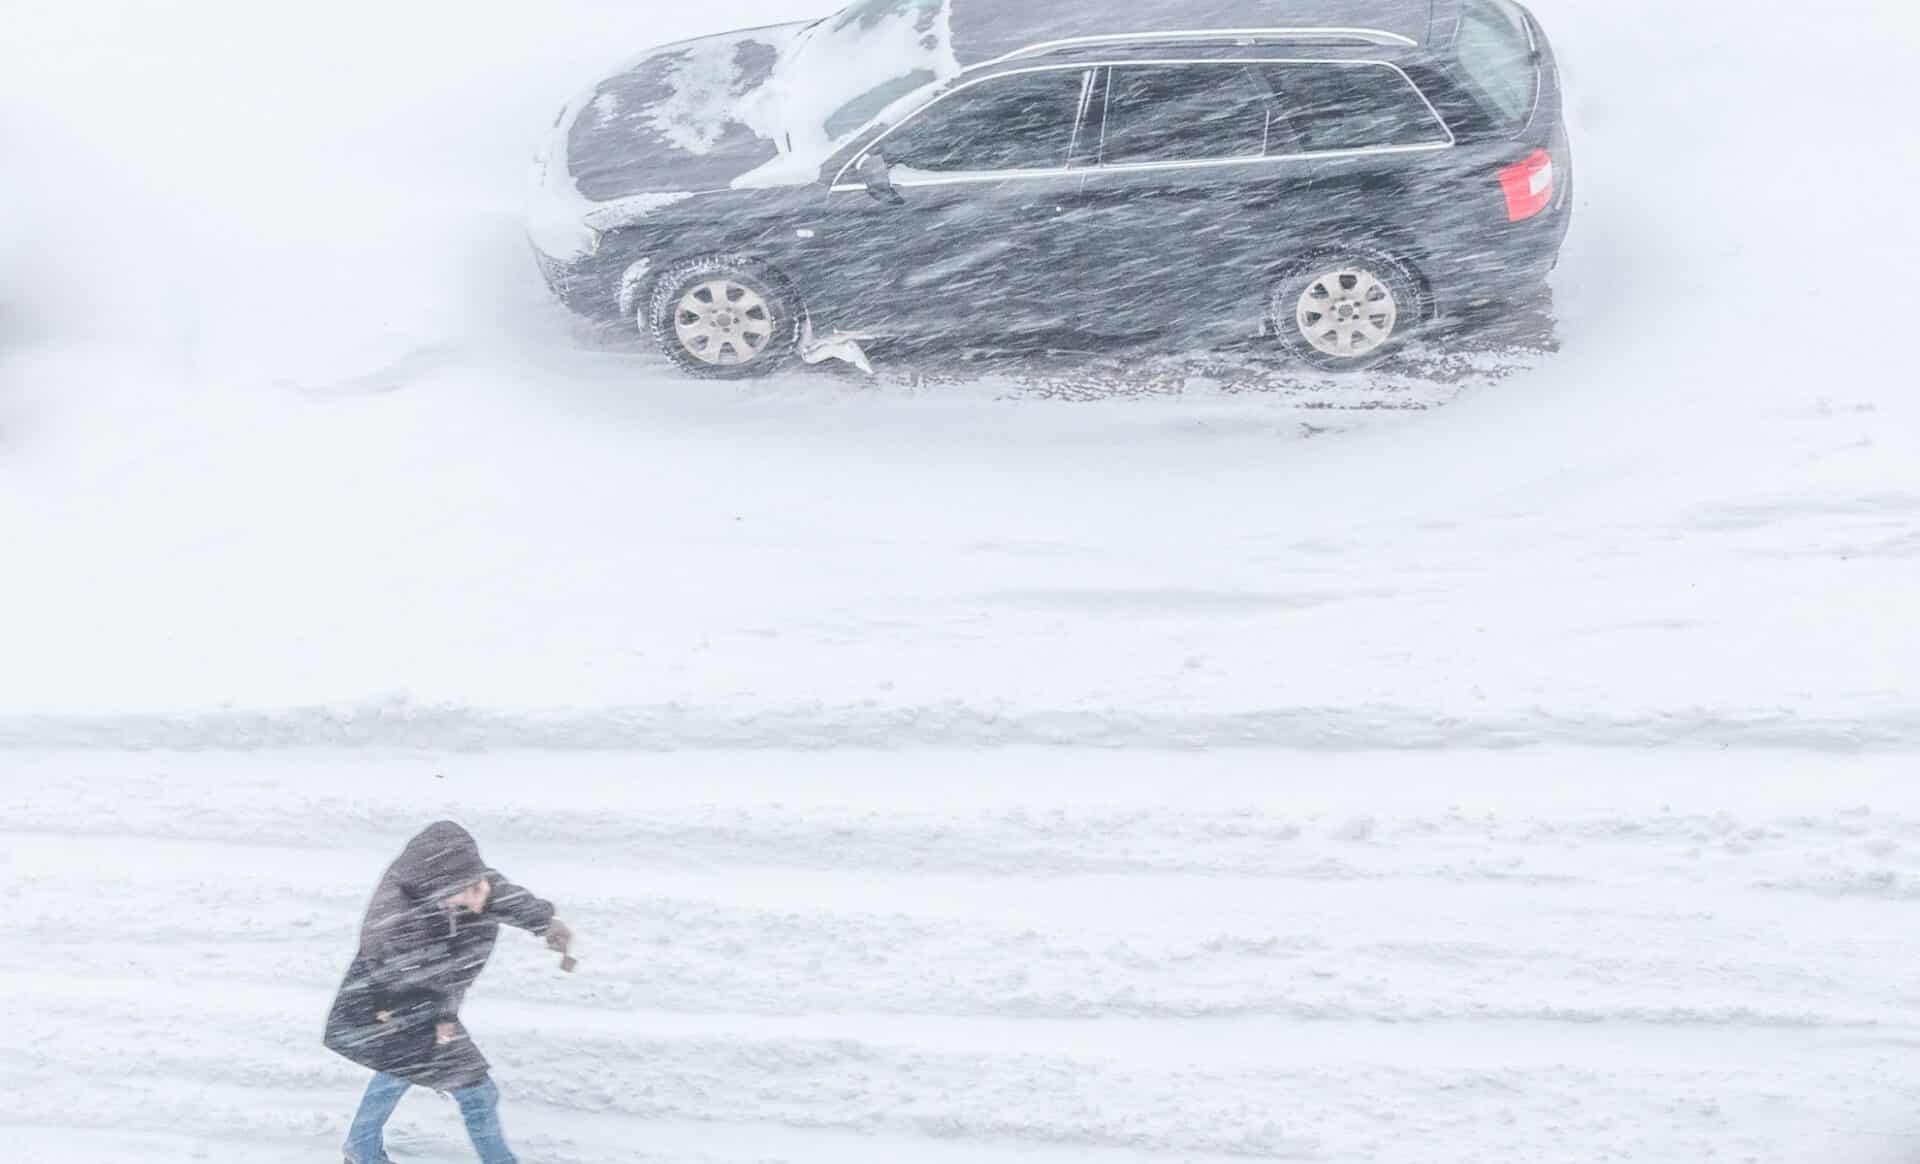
(723, 318)
(1346, 311)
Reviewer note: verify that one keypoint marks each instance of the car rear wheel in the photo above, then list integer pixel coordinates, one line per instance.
(1344, 311)
(723, 318)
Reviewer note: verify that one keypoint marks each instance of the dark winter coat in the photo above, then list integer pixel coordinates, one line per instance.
(417, 959)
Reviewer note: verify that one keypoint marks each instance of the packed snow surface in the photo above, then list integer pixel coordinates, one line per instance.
(1010, 956)
(307, 485)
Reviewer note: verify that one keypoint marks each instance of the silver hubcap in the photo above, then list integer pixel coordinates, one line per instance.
(723, 322)
(1347, 312)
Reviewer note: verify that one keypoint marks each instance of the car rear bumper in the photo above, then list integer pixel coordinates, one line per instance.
(1515, 270)
(1508, 261)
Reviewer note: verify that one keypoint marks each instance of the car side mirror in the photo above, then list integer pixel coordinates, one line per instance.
(878, 177)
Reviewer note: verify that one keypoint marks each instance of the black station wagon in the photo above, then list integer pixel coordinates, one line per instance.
(1196, 172)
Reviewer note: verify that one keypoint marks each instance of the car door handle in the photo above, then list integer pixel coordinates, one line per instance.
(1075, 211)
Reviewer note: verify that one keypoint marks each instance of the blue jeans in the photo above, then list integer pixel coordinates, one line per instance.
(479, 1106)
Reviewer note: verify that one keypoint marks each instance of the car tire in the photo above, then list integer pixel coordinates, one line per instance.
(723, 318)
(1346, 310)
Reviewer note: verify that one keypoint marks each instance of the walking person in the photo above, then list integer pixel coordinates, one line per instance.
(426, 937)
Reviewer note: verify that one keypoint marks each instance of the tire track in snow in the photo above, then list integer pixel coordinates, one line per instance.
(990, 1101)
(696, 956)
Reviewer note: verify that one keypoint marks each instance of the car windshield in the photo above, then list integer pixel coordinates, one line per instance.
(870, 55)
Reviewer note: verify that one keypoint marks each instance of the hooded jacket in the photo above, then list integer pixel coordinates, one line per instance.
(417, 959)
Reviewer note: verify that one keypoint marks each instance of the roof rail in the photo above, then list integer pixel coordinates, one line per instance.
(1360, 36)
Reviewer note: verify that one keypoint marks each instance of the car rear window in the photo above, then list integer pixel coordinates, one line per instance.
(1331, 106)
(1169, 113)
(1495, 51)
(1198, 112)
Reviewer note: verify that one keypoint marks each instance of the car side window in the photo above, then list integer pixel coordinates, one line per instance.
(1172, 113)
(1022, 121)
(1330, 106)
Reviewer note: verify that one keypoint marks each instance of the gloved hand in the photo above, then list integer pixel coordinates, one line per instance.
(559, 937)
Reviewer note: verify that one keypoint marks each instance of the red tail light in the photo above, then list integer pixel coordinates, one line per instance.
(1528, 186)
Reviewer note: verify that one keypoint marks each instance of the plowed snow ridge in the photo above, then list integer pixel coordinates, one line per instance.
(398, 724)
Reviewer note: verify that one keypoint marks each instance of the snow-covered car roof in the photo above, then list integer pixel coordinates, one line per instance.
(986, 30)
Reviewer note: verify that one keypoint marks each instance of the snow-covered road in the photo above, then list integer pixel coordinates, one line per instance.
(1546, 786)
(1036, 956)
